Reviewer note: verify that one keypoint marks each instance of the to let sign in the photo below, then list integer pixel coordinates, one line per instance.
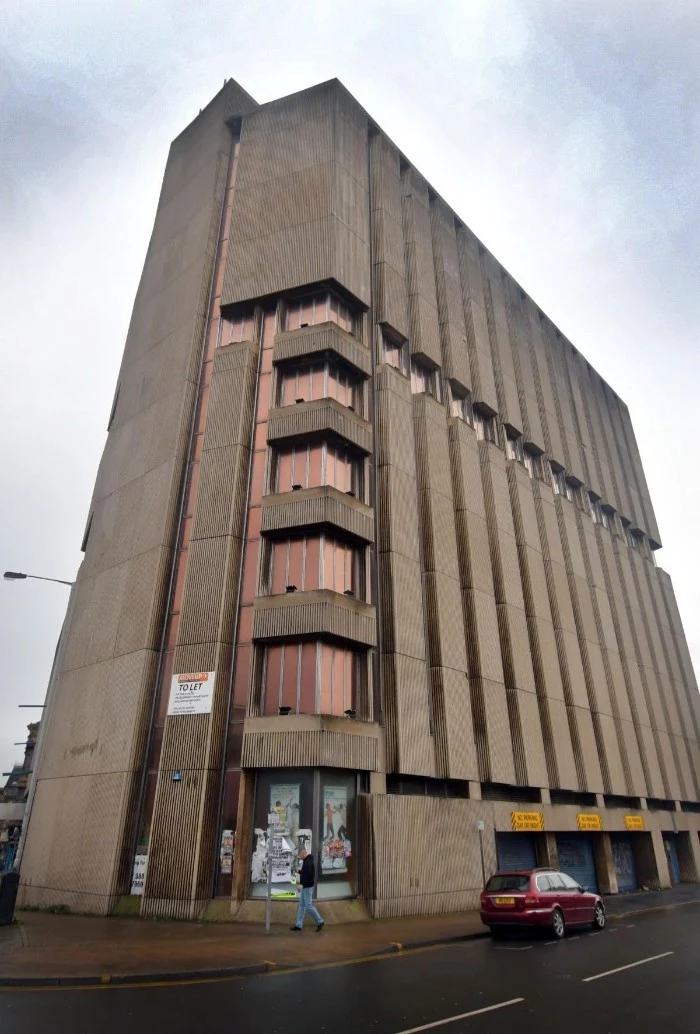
(191, 693)
(527, 821)
(634, 822)
(587, 821)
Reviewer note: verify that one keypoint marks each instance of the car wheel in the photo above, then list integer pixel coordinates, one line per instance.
(558, 924)
(599, 917)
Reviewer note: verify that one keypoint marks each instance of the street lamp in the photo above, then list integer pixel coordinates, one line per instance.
(16, 576)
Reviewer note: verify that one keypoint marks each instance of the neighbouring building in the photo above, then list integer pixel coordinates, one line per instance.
(370, 548)
(13, 799)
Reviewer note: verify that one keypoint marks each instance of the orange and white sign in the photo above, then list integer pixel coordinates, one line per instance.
(191, 693)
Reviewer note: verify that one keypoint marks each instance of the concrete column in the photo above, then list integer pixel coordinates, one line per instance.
(547, 854)
(377, 782)
(244, 837)
(474, 791)
(650, 859)
(545, 795)
(604, 863)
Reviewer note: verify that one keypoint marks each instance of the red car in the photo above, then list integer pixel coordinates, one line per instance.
(539, 897)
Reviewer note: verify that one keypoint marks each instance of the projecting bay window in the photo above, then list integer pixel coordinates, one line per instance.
(310, 678)
(313, 465)
(316, 561)
(514, 447)
(425, 379)
(485, 426)
(597, 512)
(534, 462)
(394, 353)
(237, 328)
(321, 307)
(325, 380)
(461, 403)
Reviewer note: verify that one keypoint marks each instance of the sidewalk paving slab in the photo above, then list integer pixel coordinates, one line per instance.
(44, 949)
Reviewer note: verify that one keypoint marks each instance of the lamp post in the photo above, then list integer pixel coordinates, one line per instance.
(15, 576)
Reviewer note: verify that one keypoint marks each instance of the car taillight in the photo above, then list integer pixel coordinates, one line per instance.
(483, 899)
(530, 901)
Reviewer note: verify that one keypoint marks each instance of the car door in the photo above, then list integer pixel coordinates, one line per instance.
(545, 891)
(582, 903)
(563, 896)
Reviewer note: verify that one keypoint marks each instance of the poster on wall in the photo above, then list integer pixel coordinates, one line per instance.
(138, 877)
(191, 693)
(226, 852)
(284, 801)
(336, 844)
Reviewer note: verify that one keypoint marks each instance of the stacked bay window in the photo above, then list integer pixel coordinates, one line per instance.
(321, 380)
(316, 560)
(320, 307)
(312, 465)
(310, 678)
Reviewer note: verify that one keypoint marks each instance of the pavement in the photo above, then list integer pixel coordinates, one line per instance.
(638, 976)
(43, 949)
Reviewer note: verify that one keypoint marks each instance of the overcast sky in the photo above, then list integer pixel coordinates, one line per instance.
(565, 133)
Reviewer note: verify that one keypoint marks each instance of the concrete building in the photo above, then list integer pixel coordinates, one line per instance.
(370, 547)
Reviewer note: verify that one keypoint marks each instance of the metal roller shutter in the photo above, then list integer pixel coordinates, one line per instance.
(575, 852)
(625, 866)
(516, 851)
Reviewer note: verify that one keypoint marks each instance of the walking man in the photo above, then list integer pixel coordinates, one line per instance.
(306, 895)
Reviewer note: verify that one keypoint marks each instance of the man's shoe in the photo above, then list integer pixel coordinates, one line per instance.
(297, 928)
(320, 927)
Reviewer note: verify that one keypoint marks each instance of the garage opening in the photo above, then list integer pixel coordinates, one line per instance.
(625, 865)
(516, 851)
(575, 851)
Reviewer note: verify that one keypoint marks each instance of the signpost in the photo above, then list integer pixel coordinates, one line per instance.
(480, 827)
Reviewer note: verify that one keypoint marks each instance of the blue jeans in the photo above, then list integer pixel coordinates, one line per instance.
(306, 904)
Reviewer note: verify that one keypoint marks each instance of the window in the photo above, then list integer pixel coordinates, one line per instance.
(461, 403)
(320, 381)
(563, 485)
(500, 883)
(309, 678)
(607, 517)
(534, 462)
(238, 328)
(543, 883)
(514, 447)
(310, 562)
(322, 307)
(395, 353)
(485, 427)
(425, 379)
(569, 882)
(313, 465)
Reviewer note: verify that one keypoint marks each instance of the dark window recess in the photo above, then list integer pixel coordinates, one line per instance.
(86, 535)
(658, 804)
(505, 792)
(573, 797)
(692, 806)
(614, 800)
(417, 786)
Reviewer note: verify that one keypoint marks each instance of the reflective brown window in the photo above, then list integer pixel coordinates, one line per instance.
(309, 678)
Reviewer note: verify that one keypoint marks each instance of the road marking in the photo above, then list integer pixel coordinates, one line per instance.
(631, 965)
(509, 947)
(576, 938)
(462, 1016)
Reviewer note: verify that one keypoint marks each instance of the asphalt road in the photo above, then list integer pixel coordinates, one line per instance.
(561, 986)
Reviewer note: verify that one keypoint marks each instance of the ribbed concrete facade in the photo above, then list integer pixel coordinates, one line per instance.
(361, 489)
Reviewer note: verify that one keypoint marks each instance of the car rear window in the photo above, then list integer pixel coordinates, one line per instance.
(508, 883)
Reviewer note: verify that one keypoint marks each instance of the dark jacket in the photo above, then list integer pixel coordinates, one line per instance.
(308, 871)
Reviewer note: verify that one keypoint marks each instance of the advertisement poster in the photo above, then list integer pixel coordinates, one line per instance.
(191, 693)
(284, 800)
(138, 878)
(337, 846)
(226, 851)
(281, 857)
